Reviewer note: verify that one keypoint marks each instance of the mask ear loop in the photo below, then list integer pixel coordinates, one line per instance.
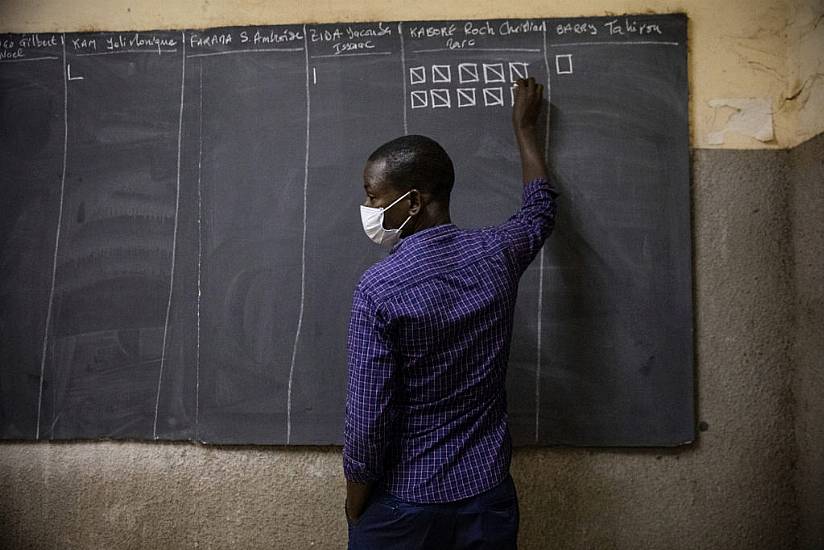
(396, 201)
(404, 223)
(409, 217)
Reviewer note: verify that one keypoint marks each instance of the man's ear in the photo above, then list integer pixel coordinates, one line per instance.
(415, 204)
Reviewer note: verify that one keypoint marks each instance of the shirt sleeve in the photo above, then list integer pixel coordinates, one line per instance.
(526, 231)
(370, 392)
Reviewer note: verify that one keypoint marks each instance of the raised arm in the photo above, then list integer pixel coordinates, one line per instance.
(527, 229)
(528, 98)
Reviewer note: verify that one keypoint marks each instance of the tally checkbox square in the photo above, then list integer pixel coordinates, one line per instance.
(494, 72)
(518, 70)
(512, 95)
(563, 64)
(420, 99)
(493, 97)
(441, 74)
(466, 97)
(440, 98)
(417, 75)
(468, 72)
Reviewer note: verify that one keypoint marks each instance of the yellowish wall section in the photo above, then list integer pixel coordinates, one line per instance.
(806, 82)
(739, 49)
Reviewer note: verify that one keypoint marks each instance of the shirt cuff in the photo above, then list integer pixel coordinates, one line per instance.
(357, 472)
(538, 184)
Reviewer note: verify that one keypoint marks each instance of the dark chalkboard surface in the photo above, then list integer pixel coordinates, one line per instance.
(180, 235)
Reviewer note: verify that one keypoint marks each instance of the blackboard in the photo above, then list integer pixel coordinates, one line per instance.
(180, 234)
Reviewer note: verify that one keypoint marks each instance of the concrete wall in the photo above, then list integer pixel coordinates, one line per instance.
(807, 212)
(754, 478)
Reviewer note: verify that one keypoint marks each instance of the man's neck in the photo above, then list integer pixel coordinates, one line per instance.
(432, 215)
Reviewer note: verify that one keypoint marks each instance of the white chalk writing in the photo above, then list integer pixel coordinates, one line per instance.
(631, 27)
(577, 28)
(446, 31)
(38, 41)
(138, 41)
(84, 44)
(271, 36)
(12, 48)
(11, 54)
(470, 34)
(197, 40)
(626, 26)
(521, 27)
(350, 39)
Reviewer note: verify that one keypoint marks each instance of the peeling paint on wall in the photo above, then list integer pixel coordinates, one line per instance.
(804, 96)
(753, 117)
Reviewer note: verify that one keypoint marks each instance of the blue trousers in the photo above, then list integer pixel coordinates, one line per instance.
(486, 521)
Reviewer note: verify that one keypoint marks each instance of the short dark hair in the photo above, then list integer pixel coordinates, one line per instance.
(417, 162)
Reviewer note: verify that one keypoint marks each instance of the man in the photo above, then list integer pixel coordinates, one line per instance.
(427, 447)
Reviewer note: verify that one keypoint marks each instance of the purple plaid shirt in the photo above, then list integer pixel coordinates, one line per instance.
(428, 347)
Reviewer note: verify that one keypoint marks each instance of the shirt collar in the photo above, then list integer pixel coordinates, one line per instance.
(425, 235)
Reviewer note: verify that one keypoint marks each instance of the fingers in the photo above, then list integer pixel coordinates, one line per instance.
(529, 88)
(527, 104)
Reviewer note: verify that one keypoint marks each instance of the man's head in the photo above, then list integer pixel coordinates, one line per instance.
(410, 163)
(416, 162)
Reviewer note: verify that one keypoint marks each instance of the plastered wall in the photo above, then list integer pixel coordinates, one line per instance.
(751, 480)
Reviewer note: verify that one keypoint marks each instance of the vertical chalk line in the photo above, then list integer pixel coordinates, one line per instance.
(56, 238)
(302, 250)
(538, 353)
(403, 67)
(548, 93)
(199, 250)
(174, 237)
(541, 260)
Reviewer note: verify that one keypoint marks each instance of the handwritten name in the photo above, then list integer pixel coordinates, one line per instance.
(138, 41)
(615, 27)
(37, 41)
(350, 39)
(522, 27)
(468, 35)
(84, 44)
(8, 53)
(631, 27)
(260, 37)
(11, 48)
(271, 36)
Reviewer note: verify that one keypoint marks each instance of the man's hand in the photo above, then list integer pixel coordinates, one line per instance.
(357, 494)
(529, 96)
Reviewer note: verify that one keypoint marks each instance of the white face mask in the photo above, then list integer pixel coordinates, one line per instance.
(372, 219)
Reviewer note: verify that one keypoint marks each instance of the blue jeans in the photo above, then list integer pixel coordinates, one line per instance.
(486, 521)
